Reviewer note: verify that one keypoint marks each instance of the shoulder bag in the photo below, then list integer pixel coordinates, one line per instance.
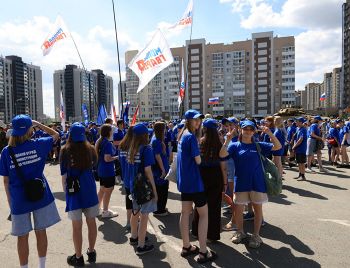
(273, 179)
(34, 189)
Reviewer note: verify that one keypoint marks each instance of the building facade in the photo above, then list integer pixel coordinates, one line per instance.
(345, 76)
(20, 89)
(251, 78)
(79, 87)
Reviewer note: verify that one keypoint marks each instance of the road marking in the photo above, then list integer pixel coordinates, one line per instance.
(341, 222)
(161, 237)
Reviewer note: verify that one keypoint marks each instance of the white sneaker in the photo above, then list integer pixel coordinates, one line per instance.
(109, 214)
(310, 170)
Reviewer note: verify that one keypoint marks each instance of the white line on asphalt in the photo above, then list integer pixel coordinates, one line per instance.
(158, 234)
(341, 222)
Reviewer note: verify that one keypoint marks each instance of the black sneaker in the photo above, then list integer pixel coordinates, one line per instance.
(134, 241)
(145, 249)
(91, 256)
(74, 261)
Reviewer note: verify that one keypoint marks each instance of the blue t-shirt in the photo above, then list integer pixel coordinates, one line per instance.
(282, 139)
(342, 133)
(31, 157)
(124, 167)
(158, 150)
(334, 133)
(133, 168)
(105, 169)
(314, 129)
(188, 176)
(290, 132)
(174, 134)
(87, 196)
(301, 132)
(249, 175)
(94, 134)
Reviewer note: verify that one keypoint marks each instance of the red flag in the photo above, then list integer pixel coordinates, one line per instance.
(133, 122)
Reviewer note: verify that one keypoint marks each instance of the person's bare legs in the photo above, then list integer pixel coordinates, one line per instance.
(239, 217)
(128, 216)
(41, 242)
(134, 221)
(92, 232)
(258, 216)
(77, 237)
(203, 227)
(100, 195)
(344, 154)
(23, 249)
(107, 198)
(184, 222)
(278, 162)
(142, 229)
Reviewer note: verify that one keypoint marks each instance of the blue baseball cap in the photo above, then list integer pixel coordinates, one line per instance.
(193, 114)
(248, 123)
(140, 129)
(232, 120)
(291, 119)
(301, 119)
(77, 132)
(210, 123)
(338, 121)
(317, 117)
(21, 124)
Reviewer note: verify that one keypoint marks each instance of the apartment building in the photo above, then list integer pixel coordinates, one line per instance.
(251, 78)
(78, 87)
(20, 89)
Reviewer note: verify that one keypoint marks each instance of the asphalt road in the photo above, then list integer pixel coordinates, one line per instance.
(307, 226)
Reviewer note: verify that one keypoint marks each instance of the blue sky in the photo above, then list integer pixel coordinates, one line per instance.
(25, 24)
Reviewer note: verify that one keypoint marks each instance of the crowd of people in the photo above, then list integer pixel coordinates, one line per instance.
(216, 165)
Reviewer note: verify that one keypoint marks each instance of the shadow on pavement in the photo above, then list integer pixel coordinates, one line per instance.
(109, 265)
(304, 193)
(331, 186)
(113, 231)
(60, 196)
(170, 225)
(281, 199)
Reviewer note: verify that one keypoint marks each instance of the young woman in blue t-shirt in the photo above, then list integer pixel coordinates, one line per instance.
(278, 133)
(160, 168)
(190, 184)
(77, 158)
(250, 184)
(141, 159)
(105, 170)
(123, 158)
(31, 156)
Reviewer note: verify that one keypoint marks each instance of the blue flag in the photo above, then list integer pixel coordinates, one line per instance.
(102, 115)
(85, 113)
(126, 113)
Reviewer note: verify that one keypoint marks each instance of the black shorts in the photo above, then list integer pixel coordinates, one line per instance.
(285, 153)
(118, 169)
(107, 182)
(199, 199)
(300, 158)
(128, 202)
(174, 146)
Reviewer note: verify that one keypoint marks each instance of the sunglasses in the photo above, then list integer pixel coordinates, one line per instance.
(248, 129)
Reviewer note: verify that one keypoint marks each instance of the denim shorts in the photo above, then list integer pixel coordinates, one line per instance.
(43, 218)
(149, 207)
(230, 170)
(311, 147)
(77, 214)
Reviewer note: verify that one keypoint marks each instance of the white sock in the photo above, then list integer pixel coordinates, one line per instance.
(24, 266)
(42, 262)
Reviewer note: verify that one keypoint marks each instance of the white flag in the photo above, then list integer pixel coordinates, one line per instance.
(155, 57)
(62, 115)
(58, 32)
(182, 86)
(186, 19)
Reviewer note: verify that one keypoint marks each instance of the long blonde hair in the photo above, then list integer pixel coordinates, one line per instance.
(136, 142)
(17, 140)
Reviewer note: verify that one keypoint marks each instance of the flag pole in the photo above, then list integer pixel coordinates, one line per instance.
(182, 110)
(120, 77)
(86, 75)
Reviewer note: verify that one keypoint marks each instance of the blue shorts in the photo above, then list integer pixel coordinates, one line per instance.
(149, 207)
(43, 218)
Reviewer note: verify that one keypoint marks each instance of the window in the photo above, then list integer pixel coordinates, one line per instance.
(195, 51)
(262, 45)
(262, 52)
(195, 65)
(194, 58)
(262, 59)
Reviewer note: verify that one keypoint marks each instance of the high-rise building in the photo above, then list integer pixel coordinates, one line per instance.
(251, 78)
(80, 87)
(345, 88)
(311, 97)
(20, 89)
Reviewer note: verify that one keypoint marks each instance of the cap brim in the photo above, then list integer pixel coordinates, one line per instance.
(19, 132)
(201, 116)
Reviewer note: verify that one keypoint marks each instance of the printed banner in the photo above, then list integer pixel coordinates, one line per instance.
(186, 19)
(85, 114)
(154, 58)
(182, 86)
(62, 115)
(58, 32)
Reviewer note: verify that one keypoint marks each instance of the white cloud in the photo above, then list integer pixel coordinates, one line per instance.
(318, 46)
(97, 48)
